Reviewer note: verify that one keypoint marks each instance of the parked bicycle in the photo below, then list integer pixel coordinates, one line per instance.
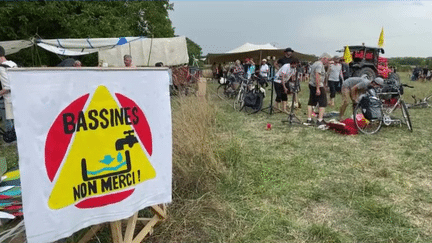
(255, 94)
(378, 107)
(420, 103)
(226, 88)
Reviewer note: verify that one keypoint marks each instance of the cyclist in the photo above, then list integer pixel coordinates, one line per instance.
(353, 87)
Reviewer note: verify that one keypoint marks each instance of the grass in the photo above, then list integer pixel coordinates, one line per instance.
(301, 184)
(235, 181)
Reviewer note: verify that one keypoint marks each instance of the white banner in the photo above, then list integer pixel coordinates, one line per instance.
(94, 146)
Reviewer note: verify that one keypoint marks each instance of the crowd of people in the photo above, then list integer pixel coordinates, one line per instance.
(421, 74)
(326, 75)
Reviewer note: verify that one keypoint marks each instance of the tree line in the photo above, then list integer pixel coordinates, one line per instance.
(406, 63)
(82, 19)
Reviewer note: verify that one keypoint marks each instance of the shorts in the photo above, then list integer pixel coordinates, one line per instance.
(280, 92)
(314, 99)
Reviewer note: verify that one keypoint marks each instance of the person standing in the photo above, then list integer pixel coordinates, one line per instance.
(281, 77)
(335, 72)
(5, 92)
(288, 58)
(317, 93)
(264, 69)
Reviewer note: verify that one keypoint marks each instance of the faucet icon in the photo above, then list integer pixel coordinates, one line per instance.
(130, 140)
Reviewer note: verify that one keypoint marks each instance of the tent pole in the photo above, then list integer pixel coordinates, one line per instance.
(259, 61)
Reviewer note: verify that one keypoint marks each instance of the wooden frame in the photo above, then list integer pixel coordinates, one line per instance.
(160, 214)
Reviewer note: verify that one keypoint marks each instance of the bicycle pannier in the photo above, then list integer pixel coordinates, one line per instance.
(250, 99)
(371, 107)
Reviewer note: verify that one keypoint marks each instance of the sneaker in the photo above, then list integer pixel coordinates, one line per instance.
(321, 125)
(309, 122)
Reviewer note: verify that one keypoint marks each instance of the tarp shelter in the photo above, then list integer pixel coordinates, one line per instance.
(257, 52)
(144, 51)
(14, 46)
(148, 52)
(79, 47)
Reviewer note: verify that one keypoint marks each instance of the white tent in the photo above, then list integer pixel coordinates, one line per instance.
(257, 52)
(148, 52)
(247, 47)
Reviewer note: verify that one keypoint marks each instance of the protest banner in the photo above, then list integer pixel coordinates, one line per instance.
(94, 146)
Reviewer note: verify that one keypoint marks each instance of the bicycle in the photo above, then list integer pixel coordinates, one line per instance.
(378, 108)
(239, 98)
(421, 103)
(255, 94)
(226, 89)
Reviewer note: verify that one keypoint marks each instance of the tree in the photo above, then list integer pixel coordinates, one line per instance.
(194, 51)
(79, 19)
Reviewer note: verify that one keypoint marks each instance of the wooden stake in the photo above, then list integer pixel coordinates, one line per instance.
(130, 228)
(117, 231)
(90, 233)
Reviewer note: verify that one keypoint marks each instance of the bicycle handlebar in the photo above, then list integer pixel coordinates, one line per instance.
(406, 85)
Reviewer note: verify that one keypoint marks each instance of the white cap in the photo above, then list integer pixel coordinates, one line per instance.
(379, 81)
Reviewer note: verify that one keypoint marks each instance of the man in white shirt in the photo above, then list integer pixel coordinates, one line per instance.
(281, 77)
(264, 69)
(5, 92)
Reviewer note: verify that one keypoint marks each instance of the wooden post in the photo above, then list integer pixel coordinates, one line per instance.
(160, 214)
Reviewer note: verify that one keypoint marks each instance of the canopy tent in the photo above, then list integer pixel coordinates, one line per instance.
(148, 52)
(145, 51)
(257, 52)
(14, 46)
(79, 47)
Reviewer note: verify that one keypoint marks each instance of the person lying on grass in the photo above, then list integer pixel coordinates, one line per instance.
(352, 88)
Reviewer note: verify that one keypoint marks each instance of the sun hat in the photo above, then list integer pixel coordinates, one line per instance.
(264, 60)
(325, 55)
(289, 50)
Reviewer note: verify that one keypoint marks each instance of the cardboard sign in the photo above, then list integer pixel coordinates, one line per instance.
(94, 146)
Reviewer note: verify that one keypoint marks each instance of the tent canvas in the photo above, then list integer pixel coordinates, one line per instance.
(14, 46)
(148, 52)
(145, 51)
(257, 52)
(79, 47)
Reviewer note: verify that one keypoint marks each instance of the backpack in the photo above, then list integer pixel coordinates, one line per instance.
(371, 107)
(250, 99)
(8, 136)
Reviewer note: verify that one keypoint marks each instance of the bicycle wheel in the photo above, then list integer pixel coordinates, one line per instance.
(429, 100)
(364, 125)
(239, 100)
(221, 91)
(406, 116)
(258, 105)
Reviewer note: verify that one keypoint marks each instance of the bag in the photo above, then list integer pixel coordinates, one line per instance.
(389, 88)
(371, 107)
(8, 136)
(290, 86)
(251, 99)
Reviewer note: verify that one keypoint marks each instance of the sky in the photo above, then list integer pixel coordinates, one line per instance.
(309, 27)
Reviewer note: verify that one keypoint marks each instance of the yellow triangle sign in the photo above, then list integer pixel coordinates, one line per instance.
(105, 157)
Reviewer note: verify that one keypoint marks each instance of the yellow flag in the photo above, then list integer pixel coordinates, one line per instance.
(347, 55)
(381, 38)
